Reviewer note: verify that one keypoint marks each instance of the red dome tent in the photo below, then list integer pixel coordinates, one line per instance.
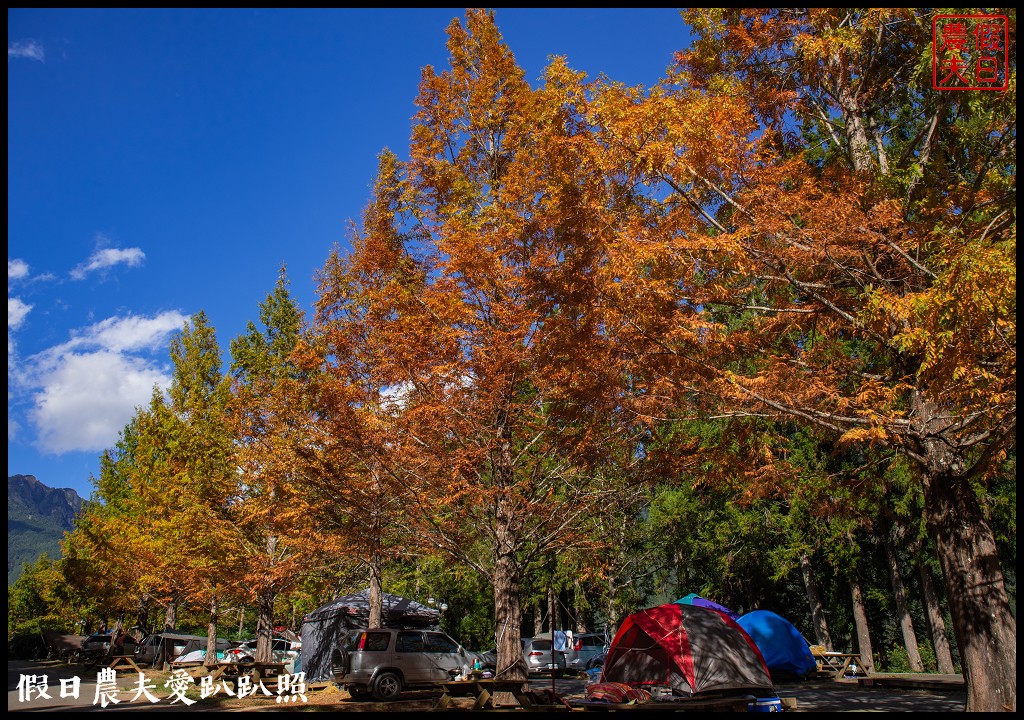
(694, 650)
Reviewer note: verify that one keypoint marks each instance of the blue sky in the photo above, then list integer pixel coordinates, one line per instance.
(162, 162)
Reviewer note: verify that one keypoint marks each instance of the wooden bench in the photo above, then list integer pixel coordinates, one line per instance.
(193, 668)
(120, 662)
(483, 691)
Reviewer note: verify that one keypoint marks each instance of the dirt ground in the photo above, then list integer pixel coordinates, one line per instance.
(809, 696)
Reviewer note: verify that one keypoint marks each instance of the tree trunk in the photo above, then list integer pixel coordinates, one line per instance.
(899, 595)
(985, 630)
(211, 633)
(170, 623)
(984, 627)
(241, 621)
(117, 635)
(508, 616)
(682, 580)
(554, 620)
(933, 611)
(538, 618)
(376, 598)
(814, 600)
(860, 619)
(581, 606)
(612, 614)
(142, 616)
(265, 626)
(171, 615)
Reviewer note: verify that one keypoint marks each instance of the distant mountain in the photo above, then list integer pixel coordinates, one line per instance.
(37, 517)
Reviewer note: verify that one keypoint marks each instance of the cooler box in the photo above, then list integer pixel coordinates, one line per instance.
(765, 705)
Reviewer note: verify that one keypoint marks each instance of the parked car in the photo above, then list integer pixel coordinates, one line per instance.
(282, 651)
(176, 644)
(145, 651)
(195, 650)
(584, 651)
(98, 644)
(384, 661)
(541, 658)
(536, 653)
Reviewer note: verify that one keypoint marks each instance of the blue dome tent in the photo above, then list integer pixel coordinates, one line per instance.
(784, 649)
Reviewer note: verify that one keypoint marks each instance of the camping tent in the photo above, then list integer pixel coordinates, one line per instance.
(784, 649)
(695, 599)
(690, 648)
(324, 628)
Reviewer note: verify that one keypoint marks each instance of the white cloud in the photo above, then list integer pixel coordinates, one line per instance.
(84, 391)
(126, 334)
(26, 49)
(87, 399)
(16, 269)
(108, 257)
(16, 312)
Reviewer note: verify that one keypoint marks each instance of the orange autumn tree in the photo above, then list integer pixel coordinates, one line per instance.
(361, 511)
(158, 526)
(819, 238)
(193, 474)
(461, 317)
(109, 552)
(269, 511)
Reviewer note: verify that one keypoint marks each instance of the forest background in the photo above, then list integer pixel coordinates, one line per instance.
(748, 333)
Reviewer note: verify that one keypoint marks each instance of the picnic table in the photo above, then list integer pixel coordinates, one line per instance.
(258, 671)
(121, 662)
(195, 668)
(483, 690)
(837, 663)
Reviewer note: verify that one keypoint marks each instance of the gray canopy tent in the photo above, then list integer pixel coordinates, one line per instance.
(324, 628)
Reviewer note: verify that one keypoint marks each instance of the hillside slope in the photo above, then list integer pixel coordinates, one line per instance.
(37, 517)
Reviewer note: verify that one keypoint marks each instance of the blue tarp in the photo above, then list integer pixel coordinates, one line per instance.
(784, 649)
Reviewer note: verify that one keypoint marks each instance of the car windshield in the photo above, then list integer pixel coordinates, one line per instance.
(543, 645)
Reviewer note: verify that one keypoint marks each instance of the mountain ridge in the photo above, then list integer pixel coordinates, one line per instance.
(37, 518)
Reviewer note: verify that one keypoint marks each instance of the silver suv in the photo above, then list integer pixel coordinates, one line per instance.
(541, 658)
(585, 652)
(383, 662)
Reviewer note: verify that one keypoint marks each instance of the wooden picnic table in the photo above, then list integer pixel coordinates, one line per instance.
(258, 671)
(483, 691)
(195, 668)
(837, 663)
(120, 662)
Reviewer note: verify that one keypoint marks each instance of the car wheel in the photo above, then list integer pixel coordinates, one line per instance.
(387, 686)
(558, 674)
